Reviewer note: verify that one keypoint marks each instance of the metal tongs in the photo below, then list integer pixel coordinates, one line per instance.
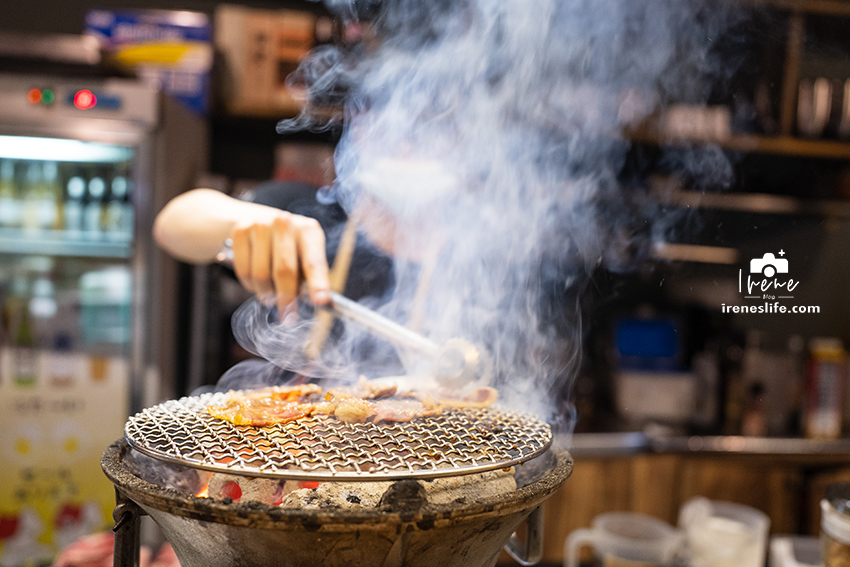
(456, 363)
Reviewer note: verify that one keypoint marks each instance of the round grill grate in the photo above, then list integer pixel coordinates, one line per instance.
(321, 447)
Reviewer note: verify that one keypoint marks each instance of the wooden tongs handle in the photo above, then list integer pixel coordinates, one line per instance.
(337, 277)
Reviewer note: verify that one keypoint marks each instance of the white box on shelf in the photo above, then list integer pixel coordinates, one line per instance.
(664, 396)
(260, 48)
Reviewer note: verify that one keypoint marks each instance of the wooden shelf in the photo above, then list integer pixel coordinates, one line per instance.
(670, 190)
(783, 145)
(63, 243)
(762, 203)
(591, 445)
(838, 450)
(825, 7)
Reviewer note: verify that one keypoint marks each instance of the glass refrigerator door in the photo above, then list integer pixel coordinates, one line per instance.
(66, 289)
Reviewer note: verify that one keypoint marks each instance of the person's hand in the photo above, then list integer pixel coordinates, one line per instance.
(274, 251)
(96, 550)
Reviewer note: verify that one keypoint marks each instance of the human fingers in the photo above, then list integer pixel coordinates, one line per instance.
(284, 263)
(261, 262)
(94, 549)
(144, 556)
(314, 262)
(241, 247)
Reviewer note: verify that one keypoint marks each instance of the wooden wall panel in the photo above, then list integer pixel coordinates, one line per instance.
(655, 479)
(596, 486)
(773, 489)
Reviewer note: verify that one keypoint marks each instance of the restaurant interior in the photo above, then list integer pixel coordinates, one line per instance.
(684, 179)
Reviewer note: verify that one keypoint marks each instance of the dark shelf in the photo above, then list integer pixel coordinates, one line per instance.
(781, 145)
(242, 147)
(827, 7)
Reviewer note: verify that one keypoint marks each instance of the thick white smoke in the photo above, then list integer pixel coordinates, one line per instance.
(491, 131)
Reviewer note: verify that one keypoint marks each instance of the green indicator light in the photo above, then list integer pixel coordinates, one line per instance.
(47, 96)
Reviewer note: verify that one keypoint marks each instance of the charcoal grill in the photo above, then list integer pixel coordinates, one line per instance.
(405, 531)
(323, 448)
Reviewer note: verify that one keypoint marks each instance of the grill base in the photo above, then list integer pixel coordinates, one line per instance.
(464, 543)
(210, 533)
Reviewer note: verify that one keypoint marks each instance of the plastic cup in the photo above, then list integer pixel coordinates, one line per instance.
(625, 538)
(724, 534)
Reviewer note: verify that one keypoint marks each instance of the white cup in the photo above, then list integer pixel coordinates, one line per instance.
(723, 534)
(625, 538)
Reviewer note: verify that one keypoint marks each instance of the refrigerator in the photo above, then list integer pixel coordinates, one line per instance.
(90, 309)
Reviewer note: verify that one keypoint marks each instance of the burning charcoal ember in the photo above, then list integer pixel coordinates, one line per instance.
(246, 489)
(345, 495)
(407, 495)
(469, 488)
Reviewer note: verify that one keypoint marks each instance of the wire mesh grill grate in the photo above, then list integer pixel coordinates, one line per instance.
(321, 447)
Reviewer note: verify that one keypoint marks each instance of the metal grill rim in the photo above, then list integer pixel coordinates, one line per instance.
(456, 442)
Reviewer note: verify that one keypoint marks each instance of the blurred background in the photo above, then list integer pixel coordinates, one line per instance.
(109, 109)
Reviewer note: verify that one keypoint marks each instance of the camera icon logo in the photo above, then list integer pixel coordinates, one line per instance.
(769, 265)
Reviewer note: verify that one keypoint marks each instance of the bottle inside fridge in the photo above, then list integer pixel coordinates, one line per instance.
(10, 205)
(66, 276)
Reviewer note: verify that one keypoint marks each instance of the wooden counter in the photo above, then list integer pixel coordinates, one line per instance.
(786, 486)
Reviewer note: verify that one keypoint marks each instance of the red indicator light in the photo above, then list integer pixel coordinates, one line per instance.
(85, 99)
(34, 96)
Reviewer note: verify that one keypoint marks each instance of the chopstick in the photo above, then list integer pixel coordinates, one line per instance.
(337, 277)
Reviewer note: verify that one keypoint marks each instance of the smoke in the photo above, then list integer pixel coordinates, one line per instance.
(486, 138)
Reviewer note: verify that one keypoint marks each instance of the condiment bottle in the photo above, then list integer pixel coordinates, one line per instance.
(825, 384)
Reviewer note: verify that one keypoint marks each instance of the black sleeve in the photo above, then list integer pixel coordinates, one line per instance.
(299, 198)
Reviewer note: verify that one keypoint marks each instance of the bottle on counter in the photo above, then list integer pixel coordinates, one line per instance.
(706, 367)
(752, 392)
(10, 205)
(754, 418)
(796, 370)
(826, 380)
